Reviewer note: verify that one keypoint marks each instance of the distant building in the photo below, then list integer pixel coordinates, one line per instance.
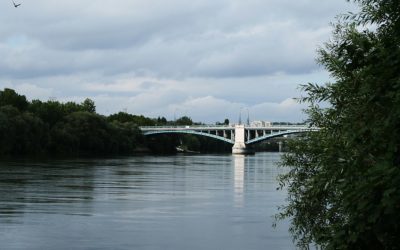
(260, 124)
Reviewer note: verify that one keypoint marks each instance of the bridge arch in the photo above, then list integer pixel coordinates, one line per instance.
(192, 132)
(270, 136)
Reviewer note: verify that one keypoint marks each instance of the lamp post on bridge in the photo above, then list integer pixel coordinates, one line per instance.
(248, 117)
(240, 116)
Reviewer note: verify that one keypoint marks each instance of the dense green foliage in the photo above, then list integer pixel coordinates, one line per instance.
(21, 133)
(125, 117)
(89, 133)
(36, 127)
(184, 120)
(344, 180)
(40, 128)
(10, 97)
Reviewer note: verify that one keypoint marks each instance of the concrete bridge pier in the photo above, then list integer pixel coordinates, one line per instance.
(280, 146)
(240, 146)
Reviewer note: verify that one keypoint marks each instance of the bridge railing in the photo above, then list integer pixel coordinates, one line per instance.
(231, 126)
(188, 126)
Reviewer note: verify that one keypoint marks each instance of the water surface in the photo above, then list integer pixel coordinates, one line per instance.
(146, 202)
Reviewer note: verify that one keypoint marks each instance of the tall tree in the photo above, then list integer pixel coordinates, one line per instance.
(10, 97)
(89, 106)
(184, 120)
(344, 180)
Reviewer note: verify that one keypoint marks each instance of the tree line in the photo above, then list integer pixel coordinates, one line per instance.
(36, 127)
(75, 129)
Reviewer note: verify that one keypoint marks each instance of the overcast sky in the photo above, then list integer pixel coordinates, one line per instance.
(207, 59)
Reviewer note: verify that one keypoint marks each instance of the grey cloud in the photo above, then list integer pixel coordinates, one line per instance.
(206, 101)
(111, 25)
(129, 53)
(147, 85)
(174, 39)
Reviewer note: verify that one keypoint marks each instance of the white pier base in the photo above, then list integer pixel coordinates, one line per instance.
(240, 147)
(242, 150)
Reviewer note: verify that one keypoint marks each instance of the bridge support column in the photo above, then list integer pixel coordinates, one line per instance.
(240, 146)
(280, 146)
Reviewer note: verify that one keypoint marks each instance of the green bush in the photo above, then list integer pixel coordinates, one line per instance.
(344, 180)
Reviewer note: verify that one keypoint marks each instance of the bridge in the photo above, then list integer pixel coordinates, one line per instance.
(239, 135)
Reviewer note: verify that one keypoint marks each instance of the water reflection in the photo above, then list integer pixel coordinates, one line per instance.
(239, 179)
(176, 202)
(50, 188)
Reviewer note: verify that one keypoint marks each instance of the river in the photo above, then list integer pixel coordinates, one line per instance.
(145, 202)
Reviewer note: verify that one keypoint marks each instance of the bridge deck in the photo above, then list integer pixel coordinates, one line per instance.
(223, 127)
